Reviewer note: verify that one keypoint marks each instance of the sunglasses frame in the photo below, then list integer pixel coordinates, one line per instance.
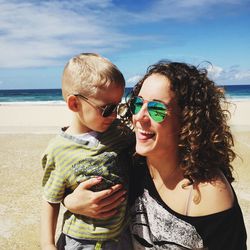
(148, 109)
(105, 111)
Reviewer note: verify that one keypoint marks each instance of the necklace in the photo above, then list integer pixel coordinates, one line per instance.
(160, 182)
(153, 176)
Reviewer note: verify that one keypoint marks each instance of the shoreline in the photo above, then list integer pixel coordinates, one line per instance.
(230, 100)
(50, 117)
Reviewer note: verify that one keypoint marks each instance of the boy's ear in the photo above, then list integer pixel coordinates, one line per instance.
(72, 103)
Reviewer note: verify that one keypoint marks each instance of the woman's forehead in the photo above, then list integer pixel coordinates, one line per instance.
(156, 86)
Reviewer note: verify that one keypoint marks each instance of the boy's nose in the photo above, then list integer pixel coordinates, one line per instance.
(114, 114)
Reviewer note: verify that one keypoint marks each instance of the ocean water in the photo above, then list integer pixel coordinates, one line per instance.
(237, 92)
(32, 96)
(54, 96)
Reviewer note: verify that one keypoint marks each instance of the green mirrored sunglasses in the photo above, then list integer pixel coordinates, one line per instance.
(157, 110)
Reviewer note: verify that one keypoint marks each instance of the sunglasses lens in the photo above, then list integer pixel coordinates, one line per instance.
(157, 111)
(136, 105)
(108, 110)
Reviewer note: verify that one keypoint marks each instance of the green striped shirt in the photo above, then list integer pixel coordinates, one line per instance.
(69, 160)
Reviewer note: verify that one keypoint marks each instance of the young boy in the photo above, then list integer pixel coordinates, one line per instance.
(94, 145)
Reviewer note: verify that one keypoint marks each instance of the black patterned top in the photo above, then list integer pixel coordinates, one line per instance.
(156, 226)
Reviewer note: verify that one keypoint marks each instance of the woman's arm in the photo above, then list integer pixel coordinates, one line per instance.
(99, 205)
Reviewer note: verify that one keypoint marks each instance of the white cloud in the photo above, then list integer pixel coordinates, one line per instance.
(231, 75)
(214, 71)
(133, 80)
(243, 75)
(41, 33)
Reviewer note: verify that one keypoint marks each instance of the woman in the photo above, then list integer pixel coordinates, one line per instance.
(182, 196)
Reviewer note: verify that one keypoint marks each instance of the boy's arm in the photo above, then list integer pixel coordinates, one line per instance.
(49, 217)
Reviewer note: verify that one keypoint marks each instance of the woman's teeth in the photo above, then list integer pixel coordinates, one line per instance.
(145, 134)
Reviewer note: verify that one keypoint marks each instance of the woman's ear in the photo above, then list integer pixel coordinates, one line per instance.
(73, 103)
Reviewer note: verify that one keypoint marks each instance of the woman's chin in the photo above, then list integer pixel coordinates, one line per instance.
(142, 150)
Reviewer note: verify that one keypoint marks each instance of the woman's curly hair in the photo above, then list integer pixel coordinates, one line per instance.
(205, 140)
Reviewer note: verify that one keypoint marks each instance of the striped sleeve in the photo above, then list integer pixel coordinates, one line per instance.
(53, 181)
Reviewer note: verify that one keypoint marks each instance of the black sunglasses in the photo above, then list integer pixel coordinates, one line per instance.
(105, 111)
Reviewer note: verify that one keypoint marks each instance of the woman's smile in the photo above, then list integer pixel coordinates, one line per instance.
(143, 134)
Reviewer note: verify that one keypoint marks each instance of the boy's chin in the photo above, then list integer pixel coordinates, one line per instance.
(102, 129)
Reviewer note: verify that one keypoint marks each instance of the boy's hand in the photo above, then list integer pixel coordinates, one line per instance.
(100, 204)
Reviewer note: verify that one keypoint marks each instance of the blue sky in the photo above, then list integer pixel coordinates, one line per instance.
(37, 38)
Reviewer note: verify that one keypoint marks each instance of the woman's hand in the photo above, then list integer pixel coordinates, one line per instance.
(101, 204)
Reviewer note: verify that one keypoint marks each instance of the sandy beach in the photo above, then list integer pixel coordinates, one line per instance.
(24, 133)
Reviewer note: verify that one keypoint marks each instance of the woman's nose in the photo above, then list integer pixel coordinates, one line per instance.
(143, 113)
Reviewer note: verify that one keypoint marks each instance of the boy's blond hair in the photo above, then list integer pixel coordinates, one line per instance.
(88, 72)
